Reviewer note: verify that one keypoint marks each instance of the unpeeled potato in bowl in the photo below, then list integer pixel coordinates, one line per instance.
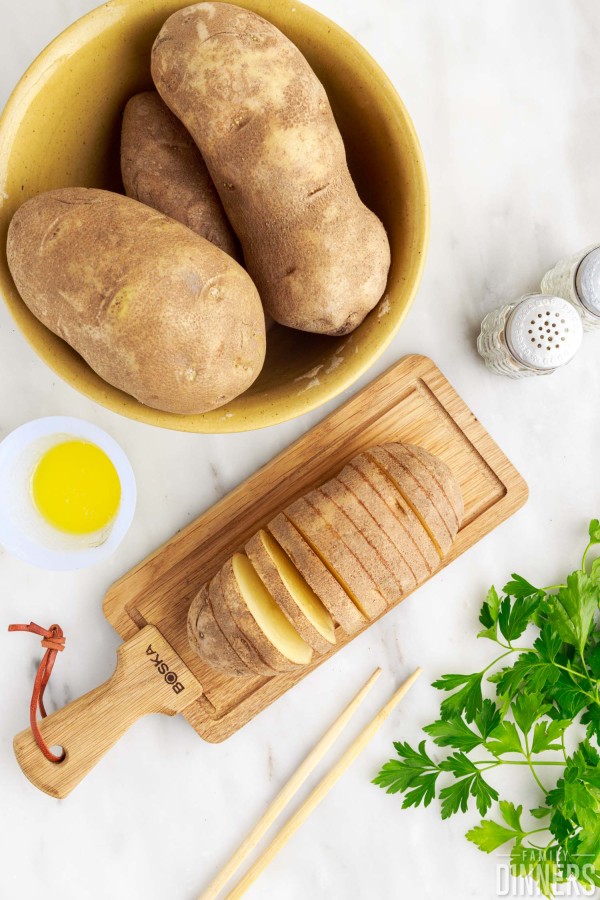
(153, 308)
(262, 121)
(162, 167)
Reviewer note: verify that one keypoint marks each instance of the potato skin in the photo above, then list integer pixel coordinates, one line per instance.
(326, 533)
(264, 126)
(153, 308)
(162, 167)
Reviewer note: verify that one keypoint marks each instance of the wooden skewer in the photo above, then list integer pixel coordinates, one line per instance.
(324, 786)
(288, 791)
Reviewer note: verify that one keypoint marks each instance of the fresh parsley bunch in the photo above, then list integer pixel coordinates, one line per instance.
(541, 692)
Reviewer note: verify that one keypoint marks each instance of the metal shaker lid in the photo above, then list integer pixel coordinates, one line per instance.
(544, 332)
(587, 281)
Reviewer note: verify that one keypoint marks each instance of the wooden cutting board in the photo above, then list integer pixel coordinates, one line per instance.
(411, 402)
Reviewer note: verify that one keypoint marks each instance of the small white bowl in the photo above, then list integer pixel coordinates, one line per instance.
(23, 531)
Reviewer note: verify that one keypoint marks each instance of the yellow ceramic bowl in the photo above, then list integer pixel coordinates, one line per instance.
(61, 127)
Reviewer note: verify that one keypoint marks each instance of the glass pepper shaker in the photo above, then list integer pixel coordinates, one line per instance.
(533, 336)
(577, 279)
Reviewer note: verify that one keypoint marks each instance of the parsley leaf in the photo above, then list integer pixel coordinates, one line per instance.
(510, 680)
(526, 709)
(591, 718)
(573, 794)
(571, 611)
(490, 609)
(540, 812)
(467, 700)
(453, 732)
(548, 644)
(398, 775)
(594, 531)
(514, 617)
(489, 615)
(504, 739)
(546, 735)
(456, 796)
(490, 835)
(519, 587)
(592, 658)
(530, 672)
(511, 814)
(589, 848)
(568, 696)
(422, 791)
(488, 718)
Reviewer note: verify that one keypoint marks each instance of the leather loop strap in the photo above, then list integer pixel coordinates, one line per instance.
(53, 641)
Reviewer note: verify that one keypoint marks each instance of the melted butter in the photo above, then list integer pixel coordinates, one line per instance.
(76, 488)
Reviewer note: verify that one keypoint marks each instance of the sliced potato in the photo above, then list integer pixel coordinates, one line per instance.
(381, 527)
(258, 616)
(421, 494)
(290, 591)
(329, 590)
(236, 638)
(207, 639)
(347, 517)
(451, 504)
(336, 555)
(413, 540)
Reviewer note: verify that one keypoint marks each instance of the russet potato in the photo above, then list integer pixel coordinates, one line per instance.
(153, 308)
(266, 131)
(162, 167)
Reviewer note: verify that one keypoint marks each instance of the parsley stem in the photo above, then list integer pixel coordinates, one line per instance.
(593, 697)
(591, 683)
(570, 671)
(584, 557)
(498, 658)
(515, 762)
(513, 649)
(553, 587)
(562, 744)
(530, 764)
(534, 773)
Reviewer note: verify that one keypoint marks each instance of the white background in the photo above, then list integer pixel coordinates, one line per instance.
(506, 101)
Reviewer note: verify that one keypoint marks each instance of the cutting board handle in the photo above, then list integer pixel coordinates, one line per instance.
(149, 678)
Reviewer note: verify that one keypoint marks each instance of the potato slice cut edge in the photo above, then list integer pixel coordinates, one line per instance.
(267, 614)
(299, 589)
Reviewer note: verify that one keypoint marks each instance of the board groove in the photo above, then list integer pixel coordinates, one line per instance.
(411, 402)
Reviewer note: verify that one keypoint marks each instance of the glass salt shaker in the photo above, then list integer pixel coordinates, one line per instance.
(533, 336)
(577, 279)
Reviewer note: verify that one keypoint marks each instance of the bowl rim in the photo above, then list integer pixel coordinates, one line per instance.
(212, 422)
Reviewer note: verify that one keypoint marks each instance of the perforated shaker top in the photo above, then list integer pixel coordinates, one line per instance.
(544, 332)
(588, 281)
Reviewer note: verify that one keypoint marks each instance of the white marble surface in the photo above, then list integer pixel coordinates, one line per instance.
(506, 100)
